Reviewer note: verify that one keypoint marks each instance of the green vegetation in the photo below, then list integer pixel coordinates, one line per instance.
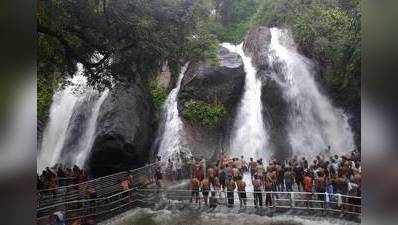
(139, 34)
(159, 95)
(233, 19)
(46, 86)
(200, 112)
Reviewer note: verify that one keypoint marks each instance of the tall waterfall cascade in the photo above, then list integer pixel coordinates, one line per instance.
(63, 108)
(314, 124)
(171, 138)
(249, 136)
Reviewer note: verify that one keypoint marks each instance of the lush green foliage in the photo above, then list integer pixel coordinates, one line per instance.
(233, 19)
(46, 85)
(139, 34)
(159, 94)
(200, 112)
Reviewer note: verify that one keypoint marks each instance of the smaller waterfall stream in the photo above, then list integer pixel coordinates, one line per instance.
(249, 135)
(88, 138)
(171, 141)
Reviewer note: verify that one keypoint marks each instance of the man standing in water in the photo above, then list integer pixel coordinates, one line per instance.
(194, 186)
(242, 191)
(230, 192)
(258, 195)
(244, 165)
(205, 190)
(253, 167)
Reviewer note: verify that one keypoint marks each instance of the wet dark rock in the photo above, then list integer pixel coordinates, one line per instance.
(275, 113)
(256, 46)
(222, 83)
(125, 130)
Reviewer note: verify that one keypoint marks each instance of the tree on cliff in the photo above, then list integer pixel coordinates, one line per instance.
(135, 35)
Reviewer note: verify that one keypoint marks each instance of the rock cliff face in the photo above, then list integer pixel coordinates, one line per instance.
(256, 46)
(223, 84)
(125, 130)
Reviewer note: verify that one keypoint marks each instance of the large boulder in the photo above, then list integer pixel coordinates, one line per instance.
(256, 46)
(275, 115)
(125, 130)
(222, 83)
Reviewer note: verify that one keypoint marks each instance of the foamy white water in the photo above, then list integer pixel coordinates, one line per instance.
(62, 108)
(220, 216)
(249, 136)
(87, 140)
(314, 123)
(171, 141)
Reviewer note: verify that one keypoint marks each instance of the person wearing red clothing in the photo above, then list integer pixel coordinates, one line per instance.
(308, 184)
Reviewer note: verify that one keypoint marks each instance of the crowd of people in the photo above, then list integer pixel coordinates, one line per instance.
(210, 182)
(332, 176)
(59, 175)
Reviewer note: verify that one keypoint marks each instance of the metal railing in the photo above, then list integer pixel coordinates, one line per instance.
(102, 208)
(279, 200)
(103, 186)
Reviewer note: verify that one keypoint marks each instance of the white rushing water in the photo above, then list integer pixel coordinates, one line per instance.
(87, 140)
(220, 216)
(314, 124)
(171, 142)
(63, 107)
(249, 135)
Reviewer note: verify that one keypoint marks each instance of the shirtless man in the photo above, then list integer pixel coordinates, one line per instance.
(238, 164)
(253, 167)
(211, 174)
(260, 168)
(242, 191)
(194, 186)
(320, 184)
(280, 174)
(205, 190)
(274, 178)
(308, 185)
(258, 196)
(222, 177)
(230, 192)
(244, 165)
(289, 179)
(235, 173)
(217, 187)
(200, 173)
(268, 185)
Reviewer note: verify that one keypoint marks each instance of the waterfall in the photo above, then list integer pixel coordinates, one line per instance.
(88, 138)
(314, 124)
(249, 134)
(171, 141)
(66, 102)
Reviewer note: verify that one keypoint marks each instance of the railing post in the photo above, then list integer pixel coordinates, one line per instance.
(291, 195)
